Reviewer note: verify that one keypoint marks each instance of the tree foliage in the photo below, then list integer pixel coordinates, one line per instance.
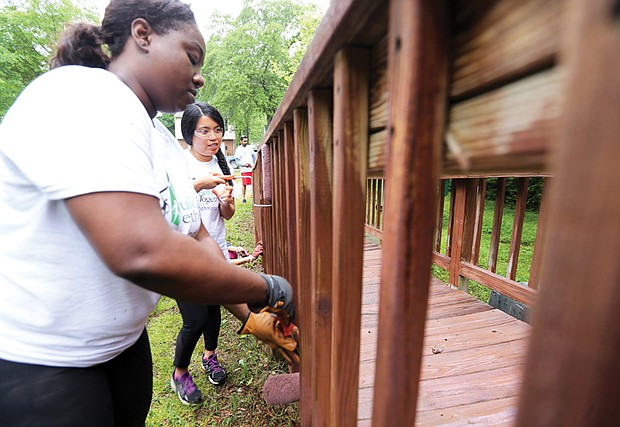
(251, 60)
(30, 29)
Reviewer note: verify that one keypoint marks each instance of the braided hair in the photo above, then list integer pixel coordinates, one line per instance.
(82, 43)
(191, 115)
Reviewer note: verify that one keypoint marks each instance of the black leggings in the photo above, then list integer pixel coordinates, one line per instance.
(198, 319)
(115, 393)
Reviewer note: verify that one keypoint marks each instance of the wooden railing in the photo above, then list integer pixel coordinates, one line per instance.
(416, 91)
(461, 248)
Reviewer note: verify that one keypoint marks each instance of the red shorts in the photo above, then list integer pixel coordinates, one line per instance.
(246, 178)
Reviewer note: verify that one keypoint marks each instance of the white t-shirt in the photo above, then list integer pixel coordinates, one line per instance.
(245, 155)
(73, 131)
(208, 202)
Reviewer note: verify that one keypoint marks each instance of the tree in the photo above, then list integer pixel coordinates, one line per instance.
(167, 119)
(30, 29)
(251, 60)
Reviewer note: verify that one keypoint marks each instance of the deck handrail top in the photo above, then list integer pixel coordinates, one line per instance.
(334, 32)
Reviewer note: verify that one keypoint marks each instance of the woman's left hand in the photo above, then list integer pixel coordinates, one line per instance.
(224, 194)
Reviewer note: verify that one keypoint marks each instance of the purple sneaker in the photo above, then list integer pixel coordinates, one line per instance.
(185, 388)
(215, 372)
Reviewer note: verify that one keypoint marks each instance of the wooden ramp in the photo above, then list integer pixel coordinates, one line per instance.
(473, 359)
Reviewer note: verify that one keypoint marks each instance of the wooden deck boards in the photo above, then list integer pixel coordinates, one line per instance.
(473, 356)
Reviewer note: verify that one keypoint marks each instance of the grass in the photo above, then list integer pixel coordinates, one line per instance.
(237, 403)
(525, 255)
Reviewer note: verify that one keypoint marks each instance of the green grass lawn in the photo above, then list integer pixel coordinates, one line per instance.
(240, 401)
(525, 255)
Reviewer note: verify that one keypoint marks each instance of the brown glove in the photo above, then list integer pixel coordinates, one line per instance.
(266, 327)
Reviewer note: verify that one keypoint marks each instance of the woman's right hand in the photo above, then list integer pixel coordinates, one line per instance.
(210, 180)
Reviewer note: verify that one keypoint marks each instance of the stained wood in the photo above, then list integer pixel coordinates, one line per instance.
(346, 23)
(480, 199)
(417, 109)
(517, 228)
(535, 267)
(573, 376)
(321, 254)
(498, 215)
(439, 218)
(472, 359)
(291, 213)
(507, 129)
(500, 284)
(276, 165)
(502, 41)
(351, 87)
(377, 152)
(378, 89)
(302, 207)
(463, 228)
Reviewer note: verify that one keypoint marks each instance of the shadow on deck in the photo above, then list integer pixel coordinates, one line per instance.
(473, 356)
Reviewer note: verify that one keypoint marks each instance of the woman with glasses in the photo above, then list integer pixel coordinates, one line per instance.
(202, 127)
(90, 238)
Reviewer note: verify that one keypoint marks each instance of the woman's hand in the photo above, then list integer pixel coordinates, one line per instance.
(210, 180)
(227, 202)
(224, 194)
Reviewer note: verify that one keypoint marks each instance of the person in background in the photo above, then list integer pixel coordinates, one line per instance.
(239, 256)
(90, 243)
(202, 127)
(245, 159)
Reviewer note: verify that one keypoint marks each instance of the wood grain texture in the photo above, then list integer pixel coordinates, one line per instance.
(291, 213)
(473, 357)
(517, 228)
(351, 93)
(507, 129)
(321, 253)
(302, 207)
(503, 41)
(417, 29)
(573, 375)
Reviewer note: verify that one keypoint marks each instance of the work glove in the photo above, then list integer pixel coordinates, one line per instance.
(268, 328)
(279, 298)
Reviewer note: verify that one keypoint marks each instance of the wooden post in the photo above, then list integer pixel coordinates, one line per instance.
(291, 214)
(417, 69)
(259, 199)
(498, 213)
(321, 256)
(275, 204)
(351, 115)
(439, 219)
(534, 279)
(572, 374)
(267, 160)
(379, 205)
(463, 228)
(481, 196)
(517, 228)
(304, 309)
(282, 229)
(450, 219)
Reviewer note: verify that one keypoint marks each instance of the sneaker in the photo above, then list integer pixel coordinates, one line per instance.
(215, 372)
(185, 388)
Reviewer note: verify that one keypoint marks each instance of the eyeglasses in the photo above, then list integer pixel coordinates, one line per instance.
(204, 133)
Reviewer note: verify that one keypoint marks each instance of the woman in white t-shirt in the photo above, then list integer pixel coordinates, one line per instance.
(91, 236)
(202, 127)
